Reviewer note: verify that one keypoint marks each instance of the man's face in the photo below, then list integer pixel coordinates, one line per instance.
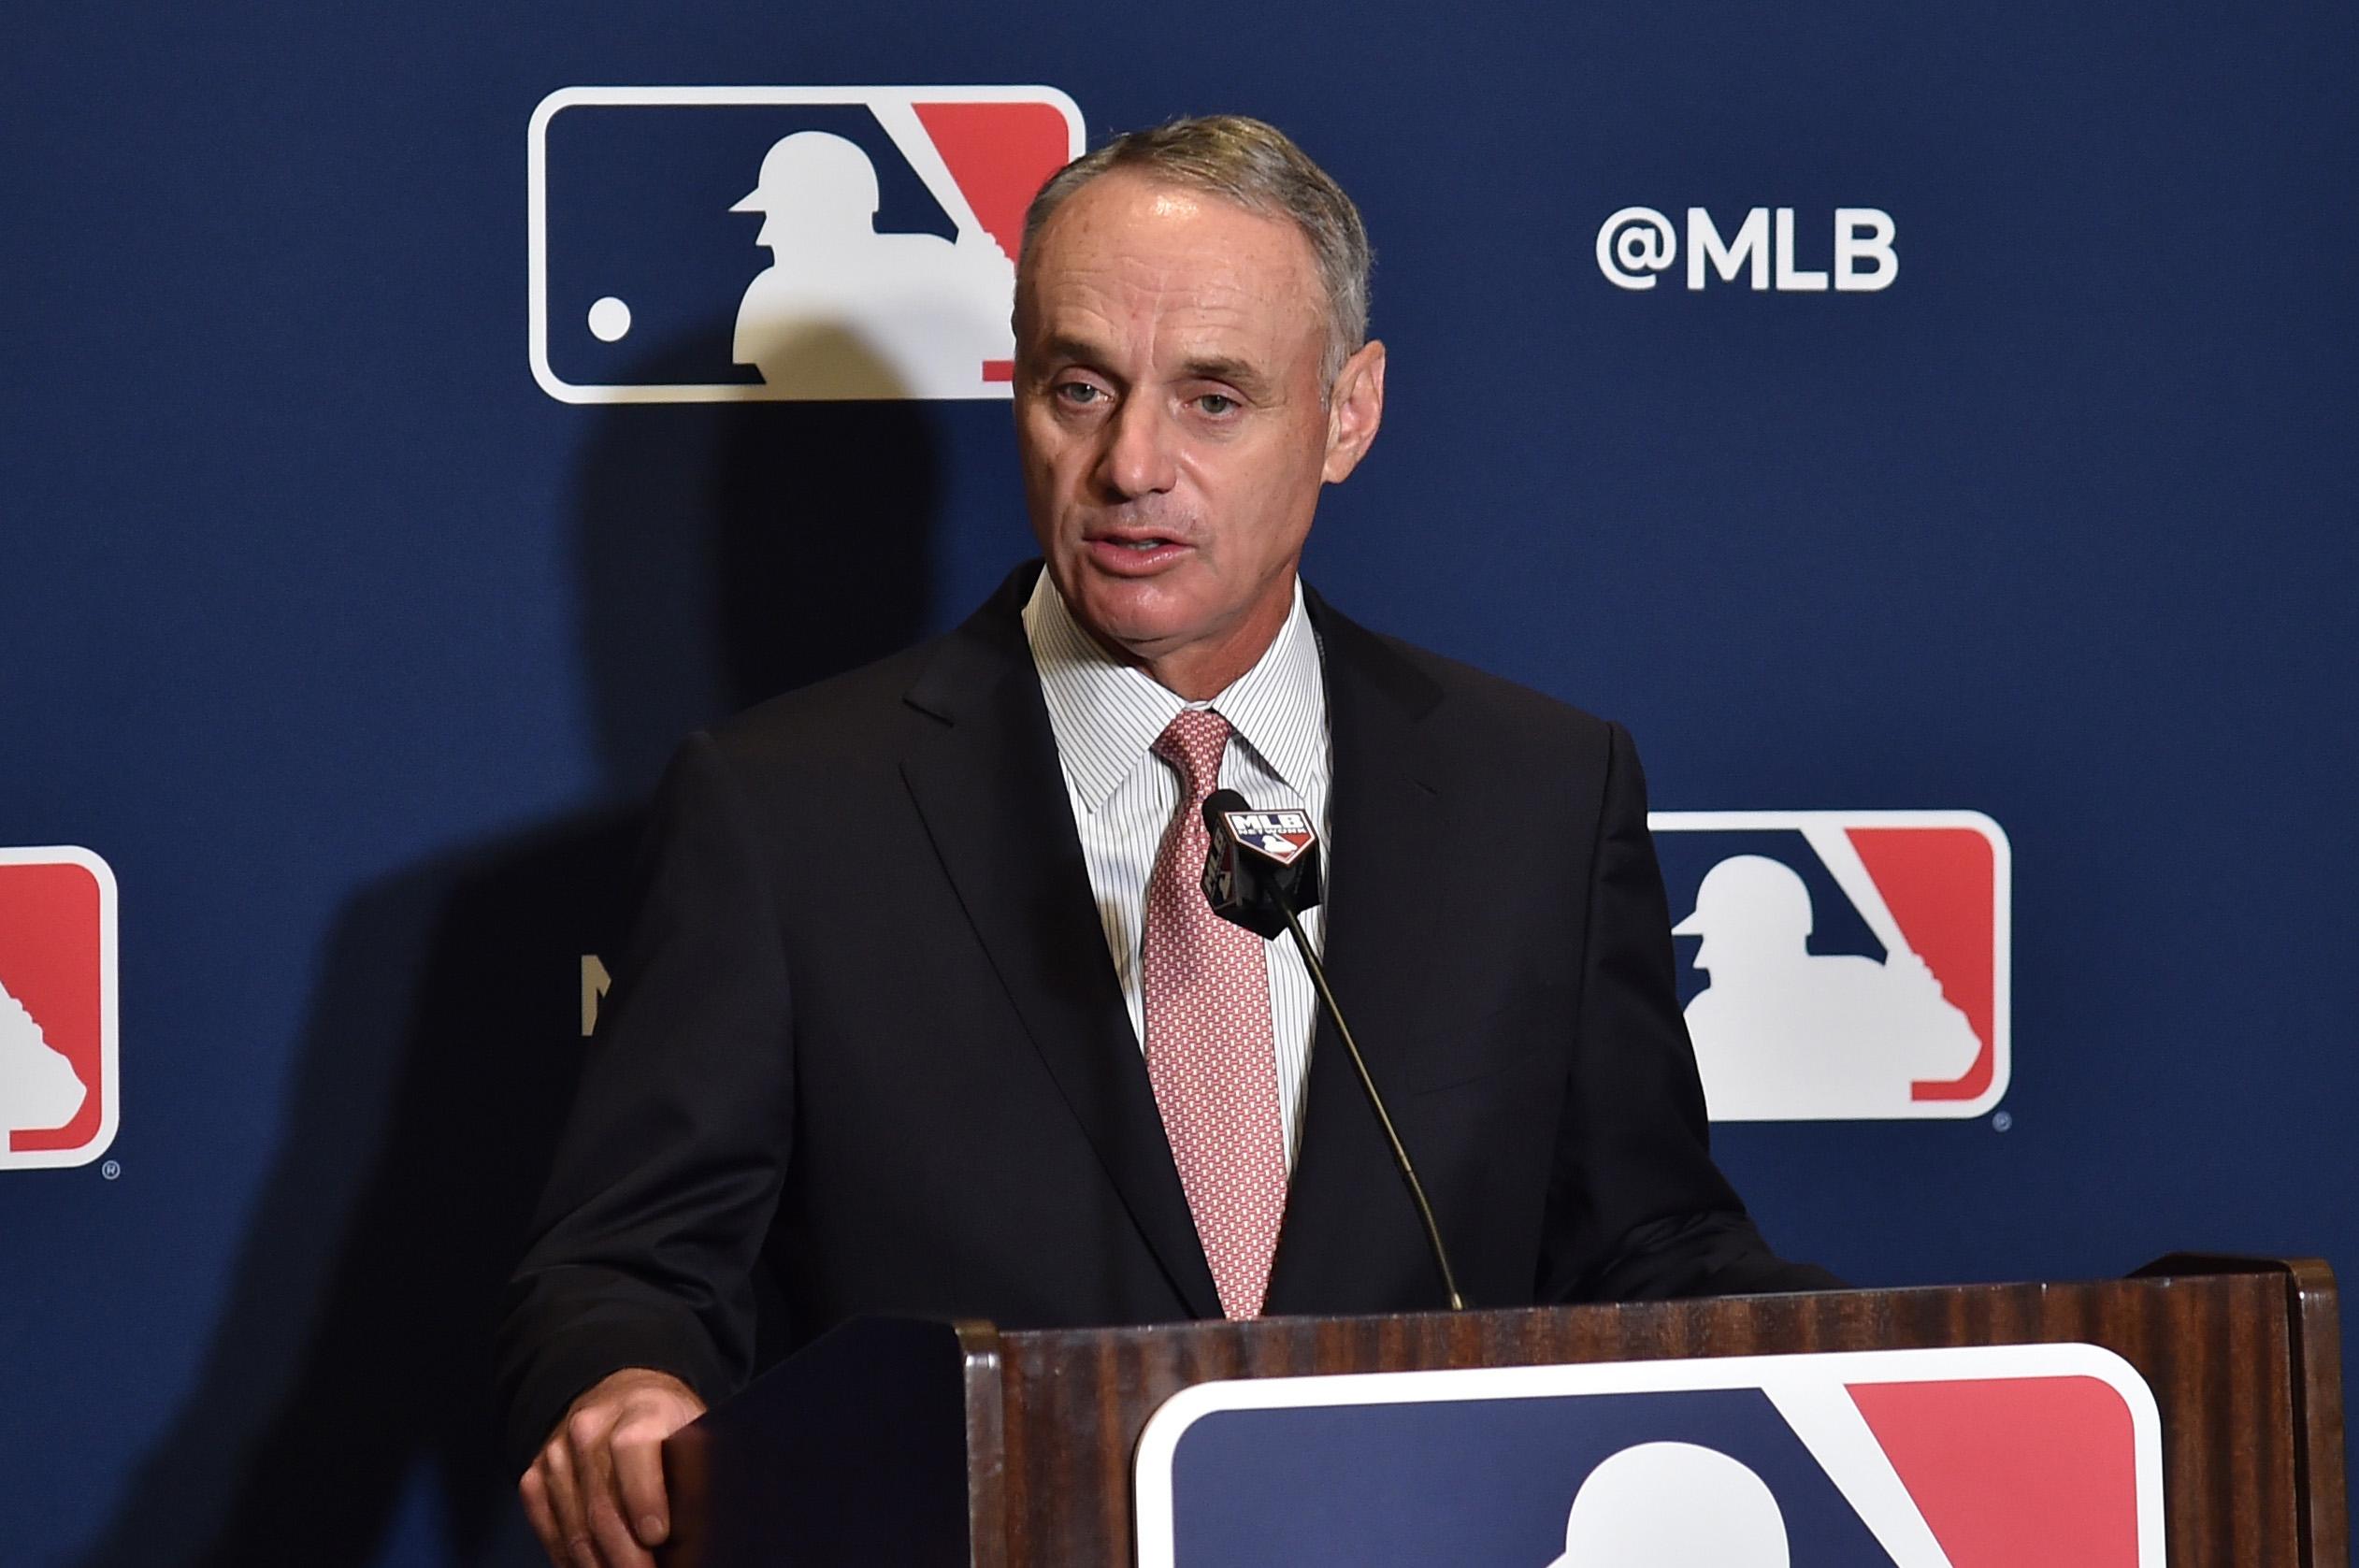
(1171, 420)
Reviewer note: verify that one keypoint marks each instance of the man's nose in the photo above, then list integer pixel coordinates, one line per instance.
(1138, 459)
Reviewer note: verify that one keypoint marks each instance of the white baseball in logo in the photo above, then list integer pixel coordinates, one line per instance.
(38, 1086)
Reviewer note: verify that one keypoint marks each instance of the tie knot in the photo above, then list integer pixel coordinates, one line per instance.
(1193, 743)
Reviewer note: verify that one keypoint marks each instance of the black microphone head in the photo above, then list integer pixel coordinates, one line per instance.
(1258, 864)
(1217, 805)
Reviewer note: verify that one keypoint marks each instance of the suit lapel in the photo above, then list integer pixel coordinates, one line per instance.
(985, 775)
(1341, 1234)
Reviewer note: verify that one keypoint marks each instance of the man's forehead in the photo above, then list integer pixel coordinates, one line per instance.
(1196, 268)
(1132, 211)
(1129, 296)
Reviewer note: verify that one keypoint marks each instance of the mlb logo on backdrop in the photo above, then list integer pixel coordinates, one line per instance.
(730, 244)
(2034, 1456)
(58, 1086)
(1842, 965)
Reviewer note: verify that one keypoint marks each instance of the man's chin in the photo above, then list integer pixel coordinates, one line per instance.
(1140, 616)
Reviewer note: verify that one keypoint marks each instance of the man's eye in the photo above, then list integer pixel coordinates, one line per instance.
(1079, 394)
(1216, 403)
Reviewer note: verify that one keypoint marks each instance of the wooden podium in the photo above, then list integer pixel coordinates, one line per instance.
(915, 1444)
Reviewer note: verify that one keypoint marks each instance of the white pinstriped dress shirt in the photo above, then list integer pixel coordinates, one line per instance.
(1105, 716)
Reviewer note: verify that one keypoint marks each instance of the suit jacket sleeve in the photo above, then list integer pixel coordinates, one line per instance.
(1636, 1210)
(672, 1160)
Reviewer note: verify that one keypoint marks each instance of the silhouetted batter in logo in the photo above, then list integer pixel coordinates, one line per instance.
(1673, 1506)
(844, 312)
(38, 1086)
(1786, 1032)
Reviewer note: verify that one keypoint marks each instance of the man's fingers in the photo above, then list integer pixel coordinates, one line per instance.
(566, 1502)
(596, 1495)
(593, 1433)
(533, 1489)
(639, 1477)
(617, 1547)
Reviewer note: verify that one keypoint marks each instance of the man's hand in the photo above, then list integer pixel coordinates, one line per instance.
(596, 1493)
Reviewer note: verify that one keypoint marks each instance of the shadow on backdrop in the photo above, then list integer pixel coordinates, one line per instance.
(725, 553)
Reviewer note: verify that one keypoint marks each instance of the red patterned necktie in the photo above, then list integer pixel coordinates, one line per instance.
(1209, 1050)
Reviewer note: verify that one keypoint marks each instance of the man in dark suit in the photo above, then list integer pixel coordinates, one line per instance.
(923, 1013)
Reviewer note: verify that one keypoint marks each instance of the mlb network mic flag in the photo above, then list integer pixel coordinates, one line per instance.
(727, 244)
(1842, 965)
(1258, 865)
(1280, 837)
(2036, 1455)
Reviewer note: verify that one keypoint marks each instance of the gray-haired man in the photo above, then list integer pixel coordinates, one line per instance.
(1092, 1103)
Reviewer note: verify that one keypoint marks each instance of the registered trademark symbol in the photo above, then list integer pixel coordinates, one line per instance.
(111, 1169)
(2001, 1121)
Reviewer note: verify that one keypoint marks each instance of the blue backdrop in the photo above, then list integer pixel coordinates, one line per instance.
(352, 651)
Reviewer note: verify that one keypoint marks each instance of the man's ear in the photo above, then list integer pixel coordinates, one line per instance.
(1354, 409)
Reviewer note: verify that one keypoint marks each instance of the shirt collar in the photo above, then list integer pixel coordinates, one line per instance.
(1106, 714)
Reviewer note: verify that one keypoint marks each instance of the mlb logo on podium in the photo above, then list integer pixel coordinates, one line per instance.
(59, 1093)
(733, 244)
(1840, 966)
(2029, 1456)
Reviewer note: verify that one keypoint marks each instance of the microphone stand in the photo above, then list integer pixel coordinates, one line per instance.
(1360, 1065)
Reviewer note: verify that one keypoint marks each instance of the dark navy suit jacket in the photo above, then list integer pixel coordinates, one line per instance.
(865, 1051)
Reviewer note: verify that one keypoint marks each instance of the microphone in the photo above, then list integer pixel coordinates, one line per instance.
(1261, 870)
